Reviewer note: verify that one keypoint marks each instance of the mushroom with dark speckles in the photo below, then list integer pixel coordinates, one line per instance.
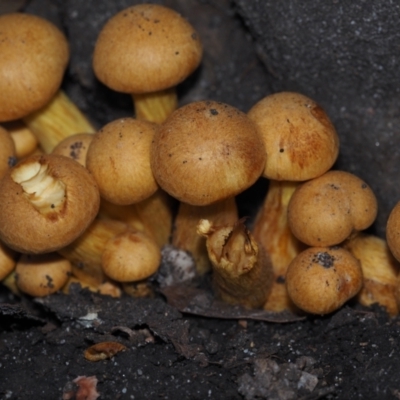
(43, 274)
(320, 280)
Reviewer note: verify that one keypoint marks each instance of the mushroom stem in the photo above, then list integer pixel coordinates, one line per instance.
(242, 271)
(57, 120)
(156, 215)
(155, 106)
(185, 236)
(272, 231)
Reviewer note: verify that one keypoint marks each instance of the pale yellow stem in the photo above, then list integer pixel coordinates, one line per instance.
(156, 106)
(271, 230)
(57, 120)
(380, 271)
(156, 216)
(185, 235)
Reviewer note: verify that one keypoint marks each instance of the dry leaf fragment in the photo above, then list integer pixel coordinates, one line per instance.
(103, 350)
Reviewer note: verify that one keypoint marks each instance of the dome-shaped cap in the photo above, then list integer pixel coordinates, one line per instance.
(146, 48)
(206, 152)
(34, 55)
(300, 140)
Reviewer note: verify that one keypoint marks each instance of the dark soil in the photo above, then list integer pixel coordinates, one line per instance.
(351, 354)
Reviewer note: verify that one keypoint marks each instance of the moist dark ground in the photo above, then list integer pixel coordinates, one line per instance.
(351, 354)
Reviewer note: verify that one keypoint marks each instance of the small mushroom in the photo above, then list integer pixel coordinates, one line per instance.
(43, 274)
(146, 50)
(321, 279)
(46, 202)
(131, 256)
(327, 210)
(119, 159)
(242, 271)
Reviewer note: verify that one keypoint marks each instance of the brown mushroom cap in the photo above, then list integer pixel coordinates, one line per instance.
(321, 279)
(75, 147)
(393, 231)
(34, 55)
(205, 152)
(41, 275)
(46, 202)
(146, 48)
(300, 140)
(131, 256)
(327, 210)
(119, 159)
(8, 259)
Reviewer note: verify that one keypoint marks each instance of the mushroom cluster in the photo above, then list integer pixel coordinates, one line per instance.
(96, 206)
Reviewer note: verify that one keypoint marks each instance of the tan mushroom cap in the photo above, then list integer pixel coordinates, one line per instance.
(131, 256)
(393, 231)
(75, 147)
(119, 159)
(41, 275)
(321, 279)
(205, 152)
(146, 48)
(34, 55)
(7, 152)
(8, 259)
(46, 202)
(326, 210)
(300, 140)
